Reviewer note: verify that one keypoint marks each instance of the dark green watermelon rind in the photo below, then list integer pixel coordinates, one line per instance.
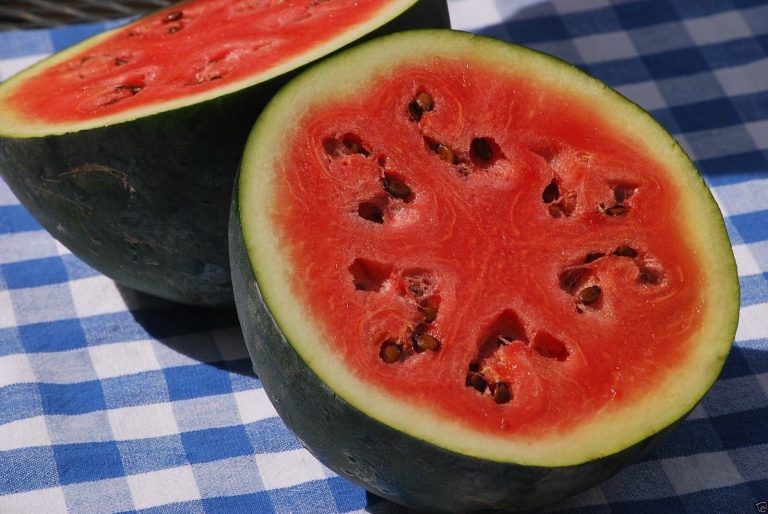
(145, 201)
(386, 461)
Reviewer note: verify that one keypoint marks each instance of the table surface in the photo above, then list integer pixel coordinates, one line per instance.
(113, 401)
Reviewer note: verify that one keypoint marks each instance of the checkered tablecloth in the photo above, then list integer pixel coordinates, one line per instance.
(112, 401)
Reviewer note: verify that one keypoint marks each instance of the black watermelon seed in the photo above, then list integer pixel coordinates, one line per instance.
(589, 295)
(429, 312)
(476, 381)
(445, 153)
(390, 351)
(501, 392)
(616, 210)
(396, 188)
(551, 192)
(422, 342)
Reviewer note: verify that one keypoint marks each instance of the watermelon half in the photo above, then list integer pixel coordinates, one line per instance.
(476, 278)
(125, 146)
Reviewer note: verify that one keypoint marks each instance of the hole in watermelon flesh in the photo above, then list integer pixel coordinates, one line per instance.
(625, 251)
(564, 207)
(429, 308)
(347, 144)
(505, 329)
(549, 346)
(476, 380)
(551, 192)
(396, 187)
(419, 283)
(593, 256)
(419, 105)
(484, 152)
(649, 276)
(622, 192)
(369, 275)
(572, 278)
(371, 211)
(614, 210)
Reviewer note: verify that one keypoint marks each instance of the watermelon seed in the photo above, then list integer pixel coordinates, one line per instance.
(474, 366)
(119, 61)
(476, 380)
(589, 295)
(396, 187)
(616, 210)
(132, 88)
(593, 256)
(501, 392)
(648, 276)
(551, 192)
(423, 341)
(481, 148)
(391, 350)
(422, 103)
(173, 16)
(625, 251)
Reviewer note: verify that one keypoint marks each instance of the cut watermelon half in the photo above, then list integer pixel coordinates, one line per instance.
(125, 146)
(494, 279)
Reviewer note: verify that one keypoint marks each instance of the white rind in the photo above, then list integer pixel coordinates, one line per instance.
(609, 431)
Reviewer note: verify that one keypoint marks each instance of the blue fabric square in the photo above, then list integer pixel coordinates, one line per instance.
(710, 114)
(754, 289)
(66, 36)
(742, 429)
(347, 496)
(27, 469)
(35, 273)
(242, 504)
(137, 389)
(751, 226)
(690, 437)
(594, 21)
(734, 168)
(752, 107)
(88, 462)
(737, 364)
(152, 454)
(10, 341)
(308, 498)
(644, 13)
(77, 398)
(216, 443)
(77, 269)
(19, 401)
(66, 334)
(534, 30)
(675, 63)
(15, 218)
(722, 499)
(619, 72)
(733, 53)
(195, 381)
(112, 328)
(271, 436)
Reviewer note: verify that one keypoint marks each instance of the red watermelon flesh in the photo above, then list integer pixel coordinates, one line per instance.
(140, 65)
(467, 247)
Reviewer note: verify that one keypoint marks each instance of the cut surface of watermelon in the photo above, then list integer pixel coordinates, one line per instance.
(484, 250)
(125, 146)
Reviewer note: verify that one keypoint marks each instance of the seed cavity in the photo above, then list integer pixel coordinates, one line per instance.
(482, 151)
(371, 211)
(551, 192)
(623, 192)
(565, 206)
(419, 105)
(369, 275)
(347, 144)
(419, 283)
(549, 346)
(397, 188)
(593, 256)
(390, 351)
(571, 278)
(589, 295)
(614, 210)
(445, 153)
(649, 276)
(625, 251)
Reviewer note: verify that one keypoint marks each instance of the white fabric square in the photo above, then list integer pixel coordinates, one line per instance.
(143, 421)
(645, 94)
(14, 65)
(16, 369)
(572, 6)
(49, 501)
(23, 433)
(7, 317)
(758, 130)
(45, 303)
(286, 469)
(473, 14)
(162, 487)
(745, 261)
(762, 379)
(752, 323)
(694, 473)
(96, 295)
(219, 412)
(118, 359)
(717, 28)
(742, 197)
(254, 405)
(24, 246)
(6, 195)
(745, 79)
(605, 47)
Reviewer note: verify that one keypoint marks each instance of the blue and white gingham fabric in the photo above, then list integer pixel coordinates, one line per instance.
(112, 401)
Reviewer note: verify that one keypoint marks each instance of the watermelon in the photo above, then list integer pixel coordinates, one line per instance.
(479, 278)
(125, 146)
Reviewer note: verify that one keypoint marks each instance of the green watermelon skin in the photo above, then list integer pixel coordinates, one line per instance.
(146, 201)
(387, 462)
